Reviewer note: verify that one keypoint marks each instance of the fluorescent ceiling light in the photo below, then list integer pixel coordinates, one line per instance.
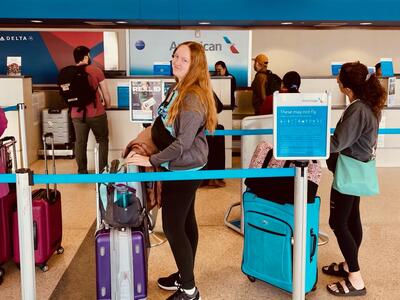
(121, 22)
(36, 21)
(100, 23)
(366, 23)
(204, 23)
(328, 24)
(286, 23)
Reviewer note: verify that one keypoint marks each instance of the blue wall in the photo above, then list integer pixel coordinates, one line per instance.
(176, 12)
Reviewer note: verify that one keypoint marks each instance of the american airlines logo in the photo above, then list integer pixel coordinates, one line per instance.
(7, 38)
(232, 47)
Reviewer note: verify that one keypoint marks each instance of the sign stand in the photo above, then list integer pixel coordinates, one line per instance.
(301, 133)
(300, 226)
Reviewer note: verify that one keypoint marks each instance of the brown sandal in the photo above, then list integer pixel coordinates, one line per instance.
(352, 291)
(330, 270)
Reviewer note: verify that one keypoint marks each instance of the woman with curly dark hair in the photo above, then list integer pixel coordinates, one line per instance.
(355, 136)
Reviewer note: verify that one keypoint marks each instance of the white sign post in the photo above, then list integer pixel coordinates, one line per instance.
(301, 133)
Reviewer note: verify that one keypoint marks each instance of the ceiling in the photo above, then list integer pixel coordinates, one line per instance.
(115, 24)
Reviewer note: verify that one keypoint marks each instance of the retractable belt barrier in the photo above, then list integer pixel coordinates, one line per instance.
(269, 131)
(152, 176)
(25, 179)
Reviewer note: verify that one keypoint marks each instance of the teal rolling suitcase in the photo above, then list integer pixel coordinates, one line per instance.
(268, 242)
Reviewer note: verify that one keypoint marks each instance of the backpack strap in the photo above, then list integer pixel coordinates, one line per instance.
(287, 163)
(267, 159)
(83, 69)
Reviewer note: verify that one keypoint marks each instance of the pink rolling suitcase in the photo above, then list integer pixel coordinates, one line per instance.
(47, 221)
(8, 202)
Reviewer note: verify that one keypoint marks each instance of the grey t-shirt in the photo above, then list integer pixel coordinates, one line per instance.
(356, 132)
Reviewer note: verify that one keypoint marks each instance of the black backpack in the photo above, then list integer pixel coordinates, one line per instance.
(273, 83)
(74, 87)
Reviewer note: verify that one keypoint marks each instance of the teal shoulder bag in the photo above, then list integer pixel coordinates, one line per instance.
(354, 177)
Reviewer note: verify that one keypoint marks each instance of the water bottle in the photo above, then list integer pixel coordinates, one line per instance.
(124, 196)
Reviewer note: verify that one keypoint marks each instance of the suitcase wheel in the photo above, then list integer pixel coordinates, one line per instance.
(251, 278)
(43, 267)
(60, 250)
(314, 288)
(2, 272)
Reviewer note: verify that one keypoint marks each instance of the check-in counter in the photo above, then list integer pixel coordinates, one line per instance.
(14, 90)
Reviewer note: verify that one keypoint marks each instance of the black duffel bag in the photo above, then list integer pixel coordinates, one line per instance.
(278, 189)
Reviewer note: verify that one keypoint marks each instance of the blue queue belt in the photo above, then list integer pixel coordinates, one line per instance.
(10, 108)
(153, 176)
(177, 175)
(163, 176)
(268, 131)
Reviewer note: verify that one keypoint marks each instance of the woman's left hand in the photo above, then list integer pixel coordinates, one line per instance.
(139, 160)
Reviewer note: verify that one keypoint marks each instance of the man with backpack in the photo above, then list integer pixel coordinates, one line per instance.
(80, 86)
(265, 82)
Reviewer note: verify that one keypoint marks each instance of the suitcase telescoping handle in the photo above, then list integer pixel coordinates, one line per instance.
(54, 111)
(9, 141)
(44, 137)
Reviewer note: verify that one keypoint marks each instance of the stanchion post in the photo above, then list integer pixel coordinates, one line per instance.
(300, 226)
(25, 232)
(22, 127)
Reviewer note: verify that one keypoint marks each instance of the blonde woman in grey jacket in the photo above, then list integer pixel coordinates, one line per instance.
(178, 132)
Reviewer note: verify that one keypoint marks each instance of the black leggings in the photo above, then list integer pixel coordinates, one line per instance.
(345, 222)
(179, 225)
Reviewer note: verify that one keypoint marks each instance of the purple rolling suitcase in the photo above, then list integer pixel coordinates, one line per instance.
(117, 254)
(121, 256)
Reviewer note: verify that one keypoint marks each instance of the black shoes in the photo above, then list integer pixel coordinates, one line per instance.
(170, 283)
(180, 294)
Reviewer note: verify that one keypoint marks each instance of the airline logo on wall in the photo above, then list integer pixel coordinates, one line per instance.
(44, 53)
(207, 46)
(4, 38)
(232, 47)
(149, 47)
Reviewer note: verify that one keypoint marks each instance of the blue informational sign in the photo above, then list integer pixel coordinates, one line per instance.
(335, 68)
(123, 96)
(387, 67)
(301, 126)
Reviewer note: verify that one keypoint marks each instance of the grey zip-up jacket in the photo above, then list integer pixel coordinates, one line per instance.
(356, 132)
(190, 148)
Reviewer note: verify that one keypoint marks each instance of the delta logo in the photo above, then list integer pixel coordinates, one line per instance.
(7, 38)
(232, 46)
